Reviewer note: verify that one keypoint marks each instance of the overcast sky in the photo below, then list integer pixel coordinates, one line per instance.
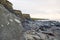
(39, 8)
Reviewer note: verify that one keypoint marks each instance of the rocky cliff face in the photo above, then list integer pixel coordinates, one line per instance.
(7, 4)
(17, 26)
(10, 25)
(26, 16)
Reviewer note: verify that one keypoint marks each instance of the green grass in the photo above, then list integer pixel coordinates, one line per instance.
(38, 19)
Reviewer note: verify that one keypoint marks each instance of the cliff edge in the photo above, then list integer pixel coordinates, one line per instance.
(10, 25)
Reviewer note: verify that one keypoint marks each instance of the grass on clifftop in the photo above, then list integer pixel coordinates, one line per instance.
(38, 19)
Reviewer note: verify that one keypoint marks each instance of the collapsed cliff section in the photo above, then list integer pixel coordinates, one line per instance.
(11, 27)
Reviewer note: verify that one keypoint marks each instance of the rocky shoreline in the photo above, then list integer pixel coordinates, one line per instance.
(17, 26)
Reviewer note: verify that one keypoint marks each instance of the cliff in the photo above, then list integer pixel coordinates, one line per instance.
(18, 13)
(17, 26)
(8, 5)
(26, 16)
(10, 25)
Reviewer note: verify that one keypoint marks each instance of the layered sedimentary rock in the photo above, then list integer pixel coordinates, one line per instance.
(3, 1)
(26, 16)
(18, 13)
(6, 4)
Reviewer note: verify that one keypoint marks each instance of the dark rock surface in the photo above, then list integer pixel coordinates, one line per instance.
(42, 30)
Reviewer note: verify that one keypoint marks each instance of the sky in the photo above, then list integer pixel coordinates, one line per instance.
(48, 9)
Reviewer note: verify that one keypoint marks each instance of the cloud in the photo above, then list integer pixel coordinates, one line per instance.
(39, 8)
